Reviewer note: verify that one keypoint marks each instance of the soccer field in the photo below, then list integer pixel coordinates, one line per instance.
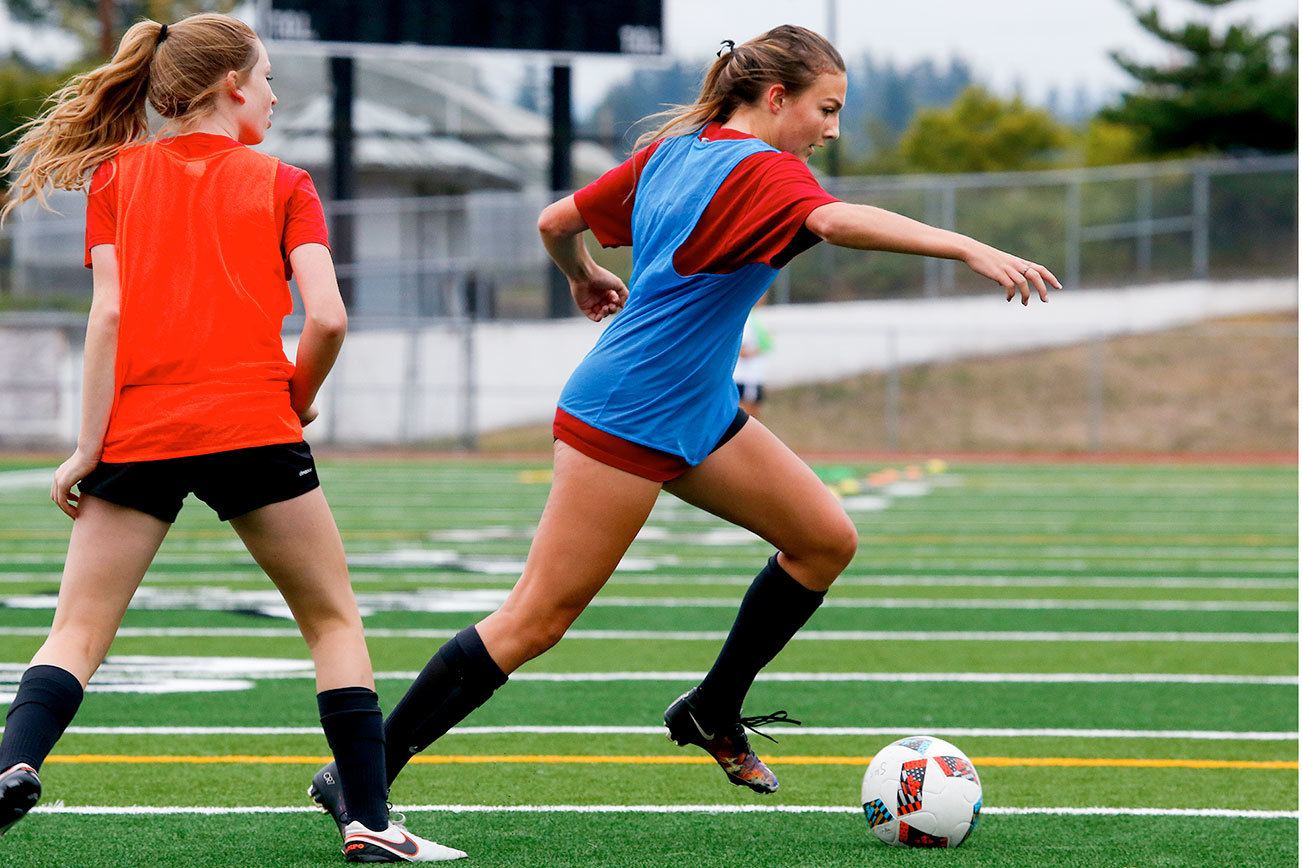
(1115, 647)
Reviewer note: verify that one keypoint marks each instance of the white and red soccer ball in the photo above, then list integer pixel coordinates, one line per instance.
(921, 792)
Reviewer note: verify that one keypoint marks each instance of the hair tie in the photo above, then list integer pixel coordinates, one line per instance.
(162, 34)
(727, 43)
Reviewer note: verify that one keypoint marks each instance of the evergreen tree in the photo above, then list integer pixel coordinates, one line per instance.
(1230, 90)
(980, 132)
(881, 99)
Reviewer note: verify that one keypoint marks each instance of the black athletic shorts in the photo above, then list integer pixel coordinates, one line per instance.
(232, 483)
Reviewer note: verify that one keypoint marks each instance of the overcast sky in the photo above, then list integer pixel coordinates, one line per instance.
(1042, 43)
(1038, 44)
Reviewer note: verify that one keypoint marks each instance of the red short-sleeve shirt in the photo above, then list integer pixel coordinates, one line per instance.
(757, 215)
(202, 227)
(298, 207)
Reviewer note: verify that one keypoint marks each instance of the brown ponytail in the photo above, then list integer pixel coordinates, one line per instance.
(179, 68)
(788, 55)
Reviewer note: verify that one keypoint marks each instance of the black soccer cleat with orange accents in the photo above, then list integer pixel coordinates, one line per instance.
(20, 790)
(727, 744)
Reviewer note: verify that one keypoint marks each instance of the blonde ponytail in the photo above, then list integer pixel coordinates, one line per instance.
(179, 68)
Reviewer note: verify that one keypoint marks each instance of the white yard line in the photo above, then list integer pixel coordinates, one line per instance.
(850, 677)
(913, 677)
(269, 602)
(127, 810)
(968, 732)
(40, 477)
(933, 558)
(426, 581)
(719, 635)
(120, 668)
(970, 603)
(251, 574)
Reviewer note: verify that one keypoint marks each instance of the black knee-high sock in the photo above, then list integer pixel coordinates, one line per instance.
(457, 679)
(354, 727)
(774, 608)
(46, 701)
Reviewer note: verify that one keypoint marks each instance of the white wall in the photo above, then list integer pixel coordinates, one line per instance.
(827, 341)
(396, 385)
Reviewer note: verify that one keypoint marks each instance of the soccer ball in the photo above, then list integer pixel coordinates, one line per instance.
(921, 792)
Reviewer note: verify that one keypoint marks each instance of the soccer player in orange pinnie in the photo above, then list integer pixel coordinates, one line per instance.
(191, 237)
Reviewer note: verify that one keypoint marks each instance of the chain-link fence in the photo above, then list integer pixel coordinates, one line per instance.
(450, 346)
(479, 254)
(1111, 226)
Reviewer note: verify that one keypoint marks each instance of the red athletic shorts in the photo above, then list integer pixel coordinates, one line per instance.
(630, 457)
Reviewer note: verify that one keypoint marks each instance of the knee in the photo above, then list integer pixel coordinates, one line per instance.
(843, 544)
(828, 552)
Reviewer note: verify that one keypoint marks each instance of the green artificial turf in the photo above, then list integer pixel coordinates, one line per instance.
(1126, 534)
(641, 841)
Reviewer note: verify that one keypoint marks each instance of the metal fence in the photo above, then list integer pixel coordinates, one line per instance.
(1109, 226)
(958, 376)
(479, 254)
(449, 347)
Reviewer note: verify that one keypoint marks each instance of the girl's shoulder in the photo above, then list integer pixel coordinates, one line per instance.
(103, 176)
(137, 148)
(289, 170)
(776, 167)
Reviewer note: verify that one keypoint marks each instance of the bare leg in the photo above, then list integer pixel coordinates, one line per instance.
(109, 551)
(592, 515)
(757, 482)
(297, 544)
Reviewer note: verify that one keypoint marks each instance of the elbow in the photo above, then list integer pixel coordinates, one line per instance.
(560, 219)
(332, 325)
(549, 224)
(105, 316)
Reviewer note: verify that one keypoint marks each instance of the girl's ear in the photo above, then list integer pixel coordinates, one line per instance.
(775, 97)
(233, 86)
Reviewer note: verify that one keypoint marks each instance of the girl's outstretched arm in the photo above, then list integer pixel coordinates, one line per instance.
(867, 228)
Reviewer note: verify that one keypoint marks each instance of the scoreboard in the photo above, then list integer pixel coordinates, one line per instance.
(628, 27)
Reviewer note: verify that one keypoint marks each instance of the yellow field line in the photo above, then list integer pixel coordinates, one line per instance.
(581, 759)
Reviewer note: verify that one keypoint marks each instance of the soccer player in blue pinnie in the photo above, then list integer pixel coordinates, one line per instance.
(718, 201)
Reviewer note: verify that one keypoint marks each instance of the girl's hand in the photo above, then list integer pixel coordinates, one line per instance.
(1013, 273)
(70, 472)
(600, 294)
